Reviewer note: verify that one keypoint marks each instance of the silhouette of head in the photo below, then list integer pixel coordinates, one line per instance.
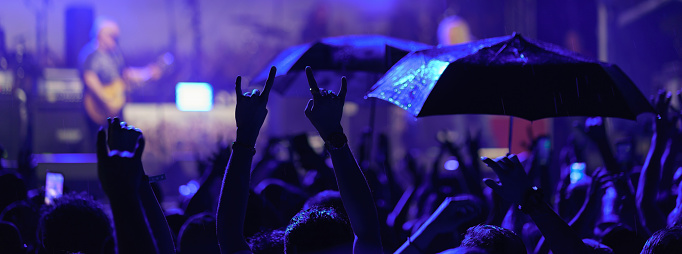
(327, 198)
(319, 230)
(75, 223)
(12, 189)
(664, 241)
(106, 31)
(198, 235)
(10, 239)
(619, 237)
(464, 250)
(493, 239)
(268, 242)
(25, 217)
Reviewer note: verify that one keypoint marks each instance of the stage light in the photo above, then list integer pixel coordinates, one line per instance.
(191, 96)
(183, 190)
(189, 189)
(451, 165)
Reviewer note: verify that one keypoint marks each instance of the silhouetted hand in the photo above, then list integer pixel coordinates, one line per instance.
(119, 158)
(326, 108)
(595, 129)
(513, 178)
(250, 111)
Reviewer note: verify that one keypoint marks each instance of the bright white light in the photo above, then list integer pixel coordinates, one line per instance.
(577, 171)
(451, 165)
(193, 186)
(184, 190)
(191, 96)
(189, 189)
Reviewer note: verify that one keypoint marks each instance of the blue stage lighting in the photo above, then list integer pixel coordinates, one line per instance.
(190, 96)
(451, 165)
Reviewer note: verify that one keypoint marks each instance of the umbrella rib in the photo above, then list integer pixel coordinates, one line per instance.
(577, 86)
(498, 53)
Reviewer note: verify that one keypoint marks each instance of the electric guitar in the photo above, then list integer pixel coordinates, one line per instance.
(113, 97)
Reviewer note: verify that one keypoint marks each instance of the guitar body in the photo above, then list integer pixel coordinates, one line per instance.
(113, 97)
(110, 105)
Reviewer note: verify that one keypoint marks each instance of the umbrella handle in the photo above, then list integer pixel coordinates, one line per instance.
(509, 142)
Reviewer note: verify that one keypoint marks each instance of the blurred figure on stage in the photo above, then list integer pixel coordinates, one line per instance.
(105, 74)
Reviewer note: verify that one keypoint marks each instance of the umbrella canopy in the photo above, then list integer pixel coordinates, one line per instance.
(363, 58)
(509, 75)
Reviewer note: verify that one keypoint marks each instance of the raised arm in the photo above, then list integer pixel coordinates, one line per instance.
(325, 111)
(595, 129)
(154, 213)
(649, 179)
(250, 114)
(453, 212)
(157, 220)
(119, 169)
(517, 188)
(205, 198)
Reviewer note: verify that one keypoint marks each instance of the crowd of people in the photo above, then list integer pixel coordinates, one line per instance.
(356, 205)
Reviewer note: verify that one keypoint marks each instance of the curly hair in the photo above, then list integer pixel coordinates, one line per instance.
(316, 229)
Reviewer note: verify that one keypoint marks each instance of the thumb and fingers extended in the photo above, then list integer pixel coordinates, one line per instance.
(344, 88)
(492, 184)
(493, 165)
(314, 89)
(269, 82)
(514, 159)
(238, 86)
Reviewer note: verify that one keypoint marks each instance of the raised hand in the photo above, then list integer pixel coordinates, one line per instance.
(250, 111)
(515, 188)
(514, 181)
(326, 108)
(120, 172)
(595, 129)
(325, 111)
(119, 158)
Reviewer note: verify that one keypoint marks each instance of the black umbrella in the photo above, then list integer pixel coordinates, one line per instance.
(362, 58)
(512, 76)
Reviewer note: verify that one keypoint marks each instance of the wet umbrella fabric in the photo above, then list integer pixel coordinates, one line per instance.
(509, 75)
(362, 58)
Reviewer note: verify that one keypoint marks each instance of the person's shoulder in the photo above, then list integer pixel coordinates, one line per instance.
(87, 53)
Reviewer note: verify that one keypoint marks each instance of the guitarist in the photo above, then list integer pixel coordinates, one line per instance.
(105, 74)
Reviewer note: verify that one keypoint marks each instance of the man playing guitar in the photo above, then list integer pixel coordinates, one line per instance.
(105, 74)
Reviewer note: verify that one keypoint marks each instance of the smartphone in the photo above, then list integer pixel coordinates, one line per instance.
(54, 187)
(577, 171)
